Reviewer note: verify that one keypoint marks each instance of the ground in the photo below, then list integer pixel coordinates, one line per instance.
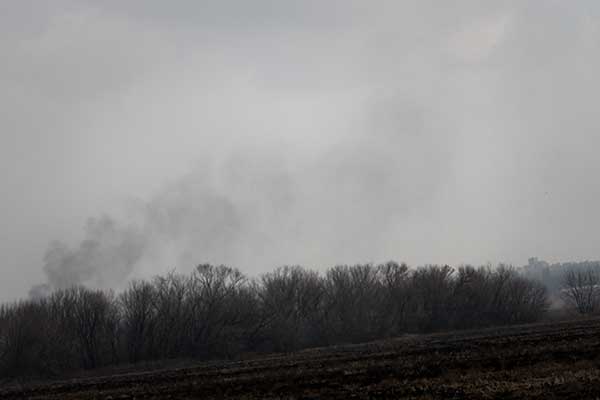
(541, 361)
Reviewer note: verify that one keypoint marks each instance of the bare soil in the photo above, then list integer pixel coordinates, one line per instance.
(542, 361)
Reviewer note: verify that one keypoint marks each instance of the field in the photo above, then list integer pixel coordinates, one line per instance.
(543, 361)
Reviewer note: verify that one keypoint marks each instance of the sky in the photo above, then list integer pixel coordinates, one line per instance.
(138, 137)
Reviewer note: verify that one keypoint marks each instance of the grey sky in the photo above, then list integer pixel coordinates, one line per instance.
(260, 133)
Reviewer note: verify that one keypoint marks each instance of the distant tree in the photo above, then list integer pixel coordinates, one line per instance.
(580, 289)
(222, 310)
(291, 300)
(22, 340)
(62, 332)
(511, 298)
(93, 322)
(526, 301)
(434, 288)
(138, 312)
(172, 312)
(217, 312)
(473, 297)
(395, 280)
(354, 303)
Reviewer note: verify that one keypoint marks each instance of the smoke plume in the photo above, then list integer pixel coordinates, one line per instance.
(257, 210)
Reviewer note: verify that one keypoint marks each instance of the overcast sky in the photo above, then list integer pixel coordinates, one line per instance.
(260, 133)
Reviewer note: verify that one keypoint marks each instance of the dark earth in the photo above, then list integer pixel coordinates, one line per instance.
(542, 361)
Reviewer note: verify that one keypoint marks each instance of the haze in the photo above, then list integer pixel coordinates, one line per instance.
(262, 133)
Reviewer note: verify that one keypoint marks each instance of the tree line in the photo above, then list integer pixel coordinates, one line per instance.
(217, 312)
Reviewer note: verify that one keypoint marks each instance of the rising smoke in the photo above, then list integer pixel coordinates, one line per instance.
(106, 255)
(256, 210)
(325, 134)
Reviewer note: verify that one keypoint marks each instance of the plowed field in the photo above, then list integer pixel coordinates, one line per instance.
(544, 361)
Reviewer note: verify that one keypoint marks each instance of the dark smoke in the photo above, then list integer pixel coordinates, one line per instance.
(106, 256)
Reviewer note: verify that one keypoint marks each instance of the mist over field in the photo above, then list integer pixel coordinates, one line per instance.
(138, 137)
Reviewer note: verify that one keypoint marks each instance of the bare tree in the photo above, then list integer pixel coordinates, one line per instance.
(173, 315)
(22, 341)
(92, 323)
(433, 287)
(291, 300)
(137, 305)
(580, 289)
(217, 312)
(354, 303)
(472, 297)
(486, 296)
(527, 300)
(219, 299)
(395, 279)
